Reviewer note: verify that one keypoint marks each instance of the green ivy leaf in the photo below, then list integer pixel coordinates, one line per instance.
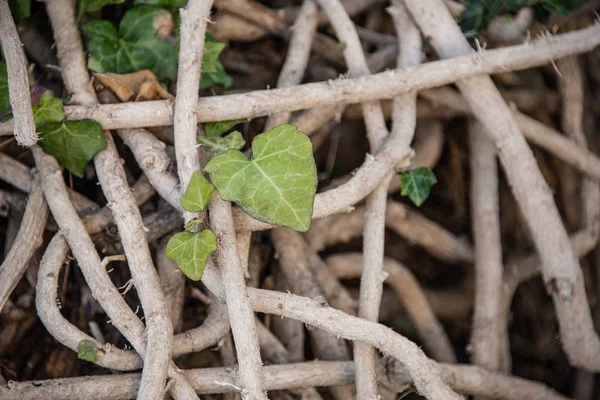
(94, 5)
(277, 185)
(416, 184)
(20, 9)
(87, 350)
(217, 144)
(4, 100)
(163, 3)
(49, 109)
(210, 56)
(73, 143)
(213, 72)
(190, 251)
(135, 46)
(220, 77)
(220, 127)
(477, 15)
(198, 193)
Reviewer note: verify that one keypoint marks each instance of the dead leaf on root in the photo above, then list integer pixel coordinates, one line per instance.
(137, 86)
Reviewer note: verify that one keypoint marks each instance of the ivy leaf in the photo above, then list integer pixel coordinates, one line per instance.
(140, 43)
(217, 145)
(198, 193)
(94, 5)
(20, 9)
(163, 3)
(73, 143)
(49, 109)
(210, 56)
(190, 251)
(220, 77)
(213, 72)
(477, 15)
(87, 350)
(416, 184)
(4, 100)
(220, 127)
(277, 185)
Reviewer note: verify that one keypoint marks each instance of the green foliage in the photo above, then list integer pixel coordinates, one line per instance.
(93, 5)
(277, 185)
(135, 46)
(73, 143)
(4, 100)
(210, 56)
(190, 251)
(20, 9)
(198, 193)
(217, 144)
(479, 13)
(162, 3)
(213, 72)
(220, 127)
(220, 77)
(87, 350)
(49, 109)
(563, 7)
(143, 40)
(417, 183)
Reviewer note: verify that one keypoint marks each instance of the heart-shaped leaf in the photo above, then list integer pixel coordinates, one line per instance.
(49, 109)
(220, 127)
(198, 193)
(417, 183)
(190, 251)
(94, 5)
(277, 185)
(136, 46)
(87, 350)
(219, 77)
(73, 143)
(217, 144)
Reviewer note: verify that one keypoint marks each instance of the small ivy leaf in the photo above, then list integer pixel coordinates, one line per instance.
(93, 5)
(190, 251)
(4, 100)
(220, 77)
(217, 145)
(20, 9)
(277, 185)
(416, 184)
(73, 143)
(138, 44)
(49, 109)
(163, 3)
(198, 193)
(220, 127)
(477, 15)
(87, 350)
(210, 56)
